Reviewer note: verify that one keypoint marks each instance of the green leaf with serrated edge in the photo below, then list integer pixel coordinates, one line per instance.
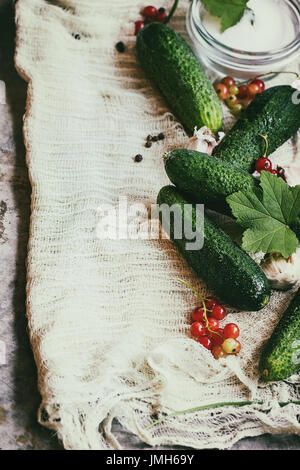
(266, 212)
(229, 11)
(276, 197)
(294, 210)
(279, 238)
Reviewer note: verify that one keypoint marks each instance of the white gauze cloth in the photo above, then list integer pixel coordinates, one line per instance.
(108, 320)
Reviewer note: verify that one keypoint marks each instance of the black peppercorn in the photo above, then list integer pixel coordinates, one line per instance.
(161, 136)
(120, 46)
(148, 144)
(138, 158)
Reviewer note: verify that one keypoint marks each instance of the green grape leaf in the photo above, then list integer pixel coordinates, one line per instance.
(230, 12)
(267, 213)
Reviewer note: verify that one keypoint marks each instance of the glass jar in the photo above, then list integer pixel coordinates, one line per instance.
(238, 63)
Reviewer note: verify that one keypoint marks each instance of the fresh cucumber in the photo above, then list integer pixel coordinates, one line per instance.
(205, 179)
(281, 356)
(227, 269)
(272, 113)
(174, 68)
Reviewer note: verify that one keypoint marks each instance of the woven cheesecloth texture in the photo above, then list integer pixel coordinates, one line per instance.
(108, 319)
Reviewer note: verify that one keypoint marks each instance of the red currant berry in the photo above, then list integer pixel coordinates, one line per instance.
(263, 164)
(261, 85)
(198, 314)
(217, 339)
(228, 81)
(218, 312)
(213, 323)
(149, 12)
(222, 91)
(231, 346)
(139, 24)
(205, 341)
(234, 90)
(231, 330)
(238, 347)
(253, 90)
(218, 352)
(210, 303)
(243, 91)
(160, 17)
(198, 329)
(231, 101)
(236, 109)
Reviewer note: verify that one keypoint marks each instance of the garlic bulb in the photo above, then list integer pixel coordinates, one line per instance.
(204, 140)
(282, 273)
(257, 257)
(292, 174)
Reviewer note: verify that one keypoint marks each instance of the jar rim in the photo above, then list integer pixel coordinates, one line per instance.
(246, 56)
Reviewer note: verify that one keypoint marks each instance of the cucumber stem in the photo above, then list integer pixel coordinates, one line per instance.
(216, 405)
(172, 11)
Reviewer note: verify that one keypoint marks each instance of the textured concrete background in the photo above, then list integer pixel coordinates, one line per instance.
(19, 397)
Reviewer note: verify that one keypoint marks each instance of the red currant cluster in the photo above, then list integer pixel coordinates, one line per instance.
(237, 97)
(150, 14)
(206, 329)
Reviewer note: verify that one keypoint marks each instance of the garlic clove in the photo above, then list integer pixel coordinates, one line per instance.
(282, 273)
(292, 174)
(204, 140)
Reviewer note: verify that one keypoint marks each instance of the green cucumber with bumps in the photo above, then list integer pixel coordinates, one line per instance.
(205, 179)
(273, 113)
(228, 270)
(281, 356)
(171, 64)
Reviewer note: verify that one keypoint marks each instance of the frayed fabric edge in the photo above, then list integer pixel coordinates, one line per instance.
(86, 428)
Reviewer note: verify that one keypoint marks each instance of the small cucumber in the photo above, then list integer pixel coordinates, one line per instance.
(273, 113)
(205, 179)
(226, 269)
(174, 68)
(281, 356)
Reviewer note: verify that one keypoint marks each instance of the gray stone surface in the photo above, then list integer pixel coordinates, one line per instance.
(19, 398)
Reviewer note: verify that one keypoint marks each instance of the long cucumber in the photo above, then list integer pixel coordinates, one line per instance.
(205, 179)
(281, 356)
(171, 64)
(226, 269)
(274, 113)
